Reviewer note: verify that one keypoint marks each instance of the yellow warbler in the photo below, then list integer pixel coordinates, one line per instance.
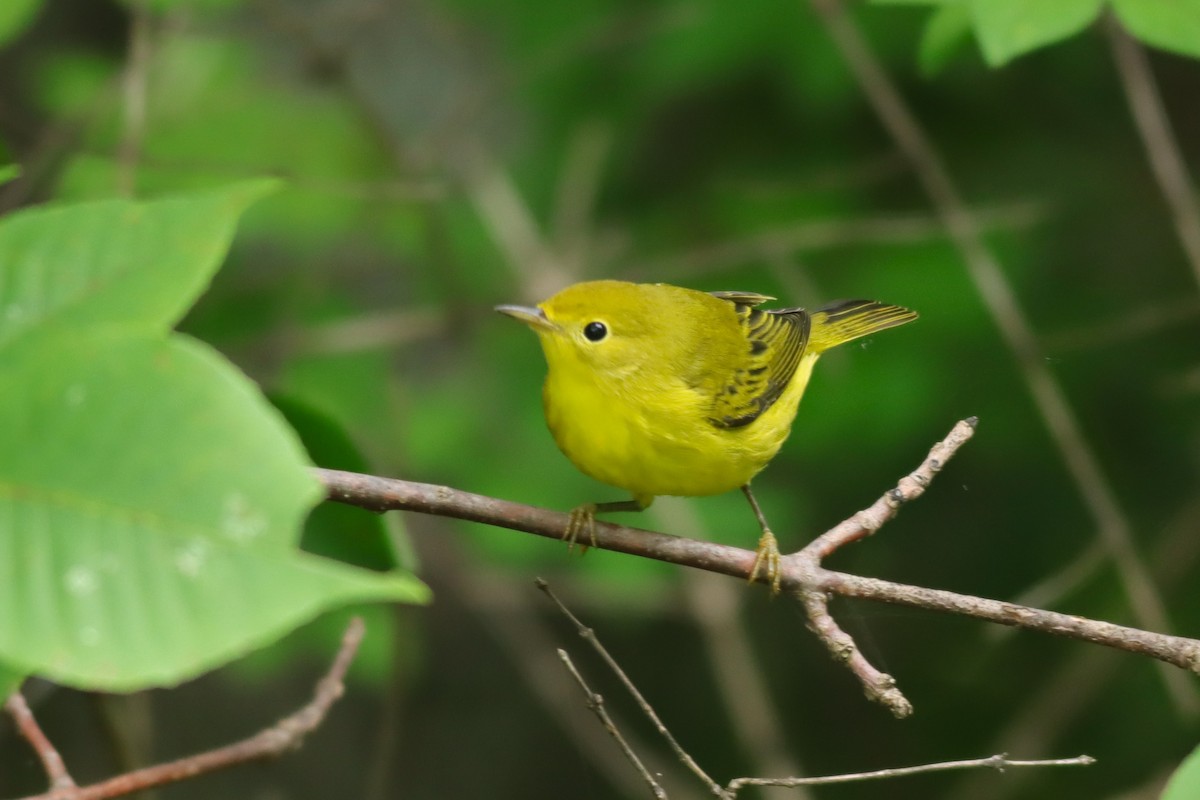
(662, 390)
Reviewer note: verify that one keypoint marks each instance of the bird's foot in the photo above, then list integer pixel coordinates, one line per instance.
(766, 560)
(581, 521)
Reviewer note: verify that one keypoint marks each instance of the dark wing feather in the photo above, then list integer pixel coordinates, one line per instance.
(775, 340)
(743, 298)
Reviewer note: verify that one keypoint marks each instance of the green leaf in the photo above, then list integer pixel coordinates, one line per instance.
(1185, 783)
(150, 498)
(9, 172)
(140, 264)
(150, 503)
(947, 30)
(1168, 24)
(15, 16)
(1009, 28)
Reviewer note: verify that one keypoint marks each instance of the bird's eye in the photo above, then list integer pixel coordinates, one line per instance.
(595, 331)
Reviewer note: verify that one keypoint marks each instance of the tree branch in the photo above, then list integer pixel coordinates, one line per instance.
(285, 735)
(27, 724)
(595, 702)
(999, 762)
(801, 572)
(1162, 147)
(986, 273)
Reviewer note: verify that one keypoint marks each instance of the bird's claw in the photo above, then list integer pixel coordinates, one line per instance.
(766, 558)
(582, 520)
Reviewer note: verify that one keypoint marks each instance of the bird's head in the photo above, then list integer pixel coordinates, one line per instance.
(610, 327)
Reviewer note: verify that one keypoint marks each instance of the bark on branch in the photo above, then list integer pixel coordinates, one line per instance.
(803, 576)
(284, 736)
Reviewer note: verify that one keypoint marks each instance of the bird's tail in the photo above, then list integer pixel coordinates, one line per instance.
(847, 320)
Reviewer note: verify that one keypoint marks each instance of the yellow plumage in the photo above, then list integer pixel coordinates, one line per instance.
(662, 390)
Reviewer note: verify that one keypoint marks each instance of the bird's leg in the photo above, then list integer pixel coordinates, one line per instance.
(583, 520)
(767, 555)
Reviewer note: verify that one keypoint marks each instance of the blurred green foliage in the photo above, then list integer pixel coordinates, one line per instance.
(15, 16)
(444, 156)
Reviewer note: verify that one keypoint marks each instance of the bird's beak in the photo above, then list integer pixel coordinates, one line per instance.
(533, 317)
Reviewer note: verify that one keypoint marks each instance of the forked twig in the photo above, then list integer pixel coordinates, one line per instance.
(590, 636)
(962, 225)
(285, 735)
(730, 791)
(801, 573)
(596, 703)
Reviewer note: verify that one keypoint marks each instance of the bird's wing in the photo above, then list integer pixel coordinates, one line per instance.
(774, 342)
(743, 298)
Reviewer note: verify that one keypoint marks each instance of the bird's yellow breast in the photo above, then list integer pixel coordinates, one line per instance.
(659, 439)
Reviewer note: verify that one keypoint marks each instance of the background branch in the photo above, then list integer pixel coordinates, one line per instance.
(285, 735)
(983, 268)
(596, 703)
(999, 763)
(1162, 149)
(590, 637)
(51, 760)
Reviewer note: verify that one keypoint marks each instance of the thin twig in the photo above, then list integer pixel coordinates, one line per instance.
(507, 614)
(879, 686)
(27, 724)
(997, 762)
(715, 605)
(819, 583)
(590, 636)
(1125, 325)
(596, 703)
(1162, 149)
(984, 270)
(133, 92)
(285, 735)
(815, 235)
(801, 572)
(576, 195)
(511, 222)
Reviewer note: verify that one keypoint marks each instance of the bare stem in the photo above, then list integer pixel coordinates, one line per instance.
(52, 762)
(133, 90)
(596, 703)
(590, 636)
(285, 735)
(1162, 148)
(997, 762)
